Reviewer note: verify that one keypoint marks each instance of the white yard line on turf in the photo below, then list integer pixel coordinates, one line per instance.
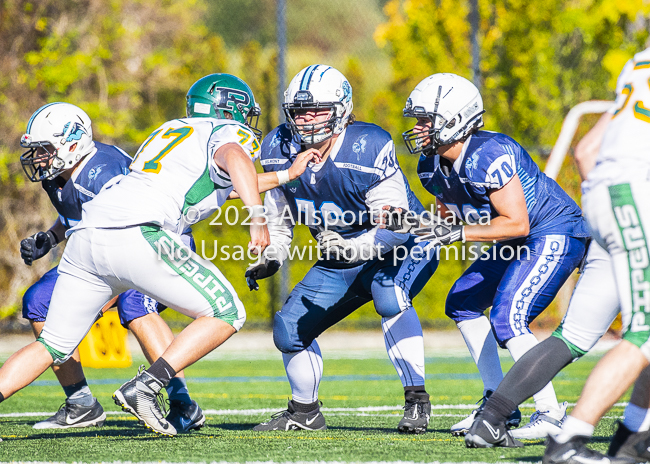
(279, 462)
(334, 411)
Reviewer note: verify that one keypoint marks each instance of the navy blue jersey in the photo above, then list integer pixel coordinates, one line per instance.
(93, 173)
(489, 161)
(340, 191)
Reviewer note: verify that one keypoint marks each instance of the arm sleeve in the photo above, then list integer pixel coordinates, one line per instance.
(280, 223)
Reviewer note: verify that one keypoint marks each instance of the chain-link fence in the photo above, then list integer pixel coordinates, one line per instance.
(129, 64)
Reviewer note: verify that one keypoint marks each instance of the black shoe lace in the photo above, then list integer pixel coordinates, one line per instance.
(280, 414)
(160, 401)
(409, 408)
(159, 397)
(63, 408)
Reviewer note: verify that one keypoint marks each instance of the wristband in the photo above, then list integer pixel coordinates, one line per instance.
(257, 211)
(283, 176)
(54, 237)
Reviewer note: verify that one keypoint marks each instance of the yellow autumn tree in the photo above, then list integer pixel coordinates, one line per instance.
(537, 59)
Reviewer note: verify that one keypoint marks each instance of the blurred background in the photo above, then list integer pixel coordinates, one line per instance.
(129, 63)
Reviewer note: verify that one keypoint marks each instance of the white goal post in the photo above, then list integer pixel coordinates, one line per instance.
(569, 127)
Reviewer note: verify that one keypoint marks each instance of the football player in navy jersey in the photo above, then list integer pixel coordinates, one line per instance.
(358, 174)
(488, 189)
(73, 169)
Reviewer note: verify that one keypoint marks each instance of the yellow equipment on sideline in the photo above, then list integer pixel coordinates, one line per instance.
(106, 344)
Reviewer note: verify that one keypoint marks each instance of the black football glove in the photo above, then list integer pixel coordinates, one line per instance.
(261, 270)
(37, 246)
(400, 220)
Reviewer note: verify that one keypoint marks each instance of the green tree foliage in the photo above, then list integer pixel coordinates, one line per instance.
(538, 59)
(127, 63)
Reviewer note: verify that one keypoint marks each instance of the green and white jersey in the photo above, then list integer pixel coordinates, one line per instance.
(174, 180)
(625, 148)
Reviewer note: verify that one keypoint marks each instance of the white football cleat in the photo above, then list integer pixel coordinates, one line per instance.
(542, 424)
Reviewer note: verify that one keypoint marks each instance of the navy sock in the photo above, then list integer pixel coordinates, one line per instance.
(414, 396)
(309, 407)
(177, 390)
(414, 388)
(74, 388)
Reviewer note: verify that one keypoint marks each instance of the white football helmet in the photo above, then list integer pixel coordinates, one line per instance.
(64, 134)
(452, 104)
(318, 87)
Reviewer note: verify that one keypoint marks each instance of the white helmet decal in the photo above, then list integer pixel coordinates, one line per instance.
(64, 135)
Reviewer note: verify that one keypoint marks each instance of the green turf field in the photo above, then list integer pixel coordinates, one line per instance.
(237, 394)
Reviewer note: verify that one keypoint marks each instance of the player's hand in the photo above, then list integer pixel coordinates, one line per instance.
(333, 246)
(260, 237)
(299, 165)
(261, 269)
(440, 233)
(398, 220)
(37, 246)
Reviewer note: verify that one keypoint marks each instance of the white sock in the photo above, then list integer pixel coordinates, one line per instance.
(304, 371)
(637, 419)
(405, 346)
(573, 427)
(483, 348)
(83, 397)
(545, 399)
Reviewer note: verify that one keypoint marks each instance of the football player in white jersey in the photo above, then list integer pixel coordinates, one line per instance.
(616, 202)
(129, 238)
(73, 168)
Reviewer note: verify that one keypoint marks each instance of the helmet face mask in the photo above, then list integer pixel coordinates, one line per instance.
(451, 103)
(39, 160)
(224, 96)
(58, 136)
(316, 131)
(318, 88)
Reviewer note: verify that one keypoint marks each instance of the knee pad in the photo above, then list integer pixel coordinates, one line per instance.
(285, 337)
(386, 304)
(502, 332)
(133, 304)
(34, 307)
(454, 309)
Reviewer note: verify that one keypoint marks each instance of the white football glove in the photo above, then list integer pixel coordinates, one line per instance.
(333, 246)
(439, 232)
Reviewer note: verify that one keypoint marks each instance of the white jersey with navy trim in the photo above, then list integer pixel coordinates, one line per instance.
(359, 177)
(624, 154)
(173, 175)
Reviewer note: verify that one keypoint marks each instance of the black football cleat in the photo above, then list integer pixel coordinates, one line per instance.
(487, 434)
(417, 411)
(575, 451)
(290, 419)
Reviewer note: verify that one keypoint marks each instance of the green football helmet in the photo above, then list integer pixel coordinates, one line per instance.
(224, 96)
